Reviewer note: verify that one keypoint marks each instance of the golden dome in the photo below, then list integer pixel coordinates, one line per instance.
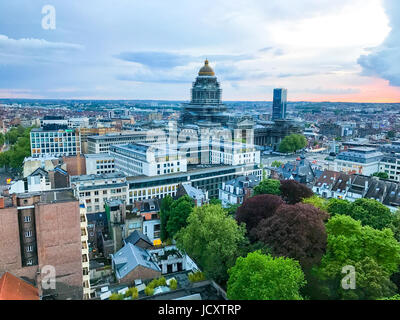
(206, 70)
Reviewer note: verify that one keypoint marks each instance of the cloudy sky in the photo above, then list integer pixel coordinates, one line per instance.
(336, 50)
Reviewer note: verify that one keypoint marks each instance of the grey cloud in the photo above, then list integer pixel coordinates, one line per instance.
(17, 51)
(154, 59)
(169, 60)
(384, 60)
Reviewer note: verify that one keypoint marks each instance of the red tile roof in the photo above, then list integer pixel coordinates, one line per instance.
(13, 288)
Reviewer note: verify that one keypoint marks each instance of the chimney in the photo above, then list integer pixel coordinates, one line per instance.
(14, 200)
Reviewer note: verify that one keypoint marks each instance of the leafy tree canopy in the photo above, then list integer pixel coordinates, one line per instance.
(178, 214)
(268, 186)
(212, 239)
(295, 231)
(349, 244)
(257, 208)
(263, 277)
(294, 192)
(292, 143)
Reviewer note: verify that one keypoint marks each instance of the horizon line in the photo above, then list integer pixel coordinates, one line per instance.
(184, 101)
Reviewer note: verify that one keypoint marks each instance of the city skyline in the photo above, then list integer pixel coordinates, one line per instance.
(344, 52)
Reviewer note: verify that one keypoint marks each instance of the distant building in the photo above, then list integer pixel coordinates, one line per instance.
(279, 104)
(205, 107)
(300, 170)
(150, 160)
(47, 163)
(237, 190)
(99, 163)
(362, 160)
(390, 164)
(199, 197)
(204, 177)
(270, 134)
(351, 187)
(94, 190)
(55, 142)
(102, 143)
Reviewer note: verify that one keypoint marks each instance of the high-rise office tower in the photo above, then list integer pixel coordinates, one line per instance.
(279, 104)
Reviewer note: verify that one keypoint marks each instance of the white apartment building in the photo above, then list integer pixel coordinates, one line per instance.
(82, 122)
(57, 142)
(233, 153)
(102, 143)
(204, 177)
(361, 160)
(93, 190)
(391, 165)
(99, 163)
(137, 159)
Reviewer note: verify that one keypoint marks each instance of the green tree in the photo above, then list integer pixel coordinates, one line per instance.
(372, 282)
(395, 297)
(395, 225)
(292, 143)
(317, 202)
(268, 186)
(276, 164)
(263, 277)
(165, 209)
(215, 201)
(19, 150)
(381, 175)
(371, 213)
(2, 139)
(212, 239)
(374, 253)
(338, 206)
(179, 212)
(391, 134)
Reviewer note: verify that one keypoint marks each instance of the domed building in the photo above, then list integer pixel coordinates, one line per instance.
(205, 107)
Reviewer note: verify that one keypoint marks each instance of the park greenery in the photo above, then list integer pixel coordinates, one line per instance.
(284, 229)
(212, 238)
(268, 186)
(292, 143)
(264, 277)
(18, 141)
(174, 214)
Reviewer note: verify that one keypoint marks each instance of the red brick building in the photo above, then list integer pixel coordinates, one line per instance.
(43, 229)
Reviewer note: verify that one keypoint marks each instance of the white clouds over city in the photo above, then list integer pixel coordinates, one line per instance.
(319, 50)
